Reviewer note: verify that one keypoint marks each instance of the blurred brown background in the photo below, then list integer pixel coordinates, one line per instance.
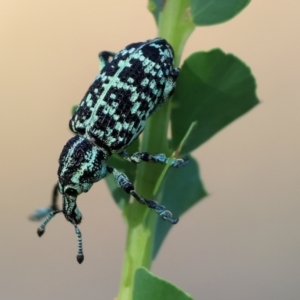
(242, 242)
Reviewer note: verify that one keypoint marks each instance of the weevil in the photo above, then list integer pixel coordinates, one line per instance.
(130, 87)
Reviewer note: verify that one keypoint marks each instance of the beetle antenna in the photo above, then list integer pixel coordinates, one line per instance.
(80, 256)
(41, 230)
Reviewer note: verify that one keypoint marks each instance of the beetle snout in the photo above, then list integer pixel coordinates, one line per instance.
(77, 216)
(73, 216)
(71, 211)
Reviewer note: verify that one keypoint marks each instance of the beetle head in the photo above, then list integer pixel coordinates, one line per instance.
(81, 163)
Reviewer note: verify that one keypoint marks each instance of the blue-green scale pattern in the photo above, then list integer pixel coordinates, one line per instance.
(134, 84)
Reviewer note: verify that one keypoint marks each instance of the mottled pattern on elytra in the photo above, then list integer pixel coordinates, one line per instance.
(135, 83)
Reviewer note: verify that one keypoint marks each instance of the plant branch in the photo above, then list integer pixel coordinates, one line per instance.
(175, 26)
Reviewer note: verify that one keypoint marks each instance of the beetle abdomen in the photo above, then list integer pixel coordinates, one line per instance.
(125, 93)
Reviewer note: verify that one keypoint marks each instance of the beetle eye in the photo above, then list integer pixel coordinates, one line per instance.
(71, 192)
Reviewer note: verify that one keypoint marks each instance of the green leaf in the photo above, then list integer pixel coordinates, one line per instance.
(209, 12)
(213, 89)
(182, 189)
(155, 7)
(116, 161)
(147, 286)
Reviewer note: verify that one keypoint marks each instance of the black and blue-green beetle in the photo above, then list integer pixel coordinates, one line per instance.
(131, 86)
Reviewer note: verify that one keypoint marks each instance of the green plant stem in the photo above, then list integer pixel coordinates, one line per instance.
(175, 26)
(139, 242)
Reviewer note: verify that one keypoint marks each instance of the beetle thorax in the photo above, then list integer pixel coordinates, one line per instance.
(81, 164)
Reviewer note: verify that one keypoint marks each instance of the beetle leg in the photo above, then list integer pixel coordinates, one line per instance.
(104, 57)
(54, 197)
(170, 84)
(41, 213)
(137, 157)
(127, 186)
